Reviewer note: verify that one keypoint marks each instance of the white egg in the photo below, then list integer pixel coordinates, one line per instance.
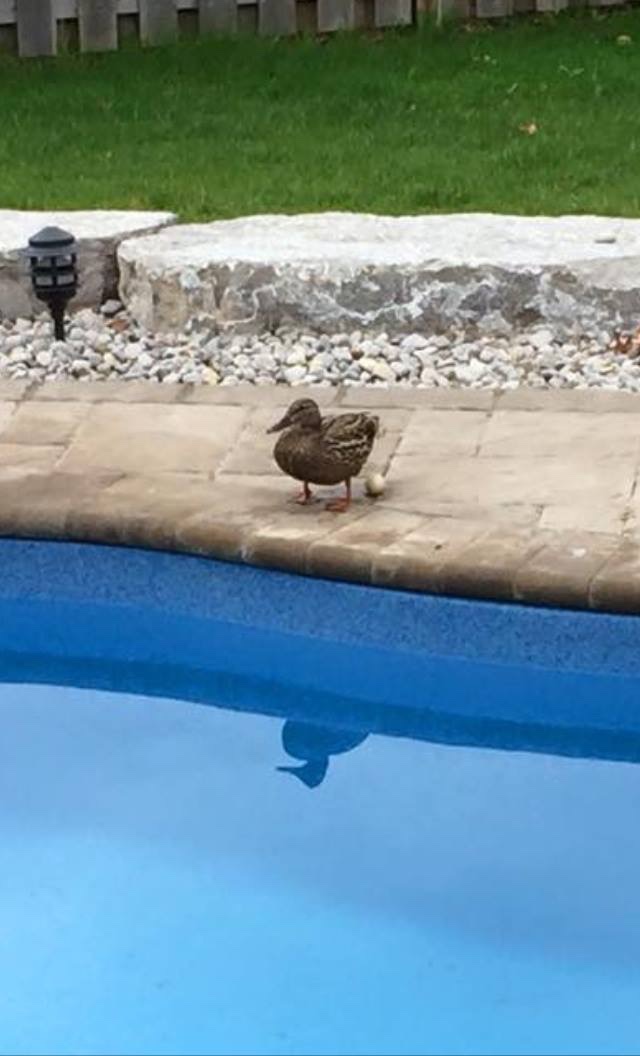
(375, 484)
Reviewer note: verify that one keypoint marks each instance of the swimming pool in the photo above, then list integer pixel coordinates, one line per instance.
(401, 825)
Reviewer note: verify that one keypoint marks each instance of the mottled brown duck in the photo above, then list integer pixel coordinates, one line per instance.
(324, 451)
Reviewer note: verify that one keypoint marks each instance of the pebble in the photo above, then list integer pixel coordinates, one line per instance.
(295, 375)
(210, 376)
(321, 362)
(414, 342)
(264, 361)
(378, 368)
(297, 357)
(109, 344)
(20, 355)
(110, 308)
(470, 373)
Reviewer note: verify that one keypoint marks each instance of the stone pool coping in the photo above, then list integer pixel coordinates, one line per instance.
(527, 495)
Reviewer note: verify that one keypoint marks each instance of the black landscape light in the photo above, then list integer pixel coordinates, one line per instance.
(52, 262)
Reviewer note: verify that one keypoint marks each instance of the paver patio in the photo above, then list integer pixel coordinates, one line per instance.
(528, 495)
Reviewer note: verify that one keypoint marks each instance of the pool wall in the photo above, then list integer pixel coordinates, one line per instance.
(375, 660)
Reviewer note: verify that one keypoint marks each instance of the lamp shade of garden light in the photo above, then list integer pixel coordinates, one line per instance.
(54, 276)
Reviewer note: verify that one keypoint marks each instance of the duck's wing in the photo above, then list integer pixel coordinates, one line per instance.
(350, 435)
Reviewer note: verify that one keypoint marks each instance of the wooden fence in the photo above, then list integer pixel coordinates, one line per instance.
(43, 27)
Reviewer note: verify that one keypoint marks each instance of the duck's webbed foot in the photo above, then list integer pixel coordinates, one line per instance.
(340, 505)
(337, 505)
(304, 497)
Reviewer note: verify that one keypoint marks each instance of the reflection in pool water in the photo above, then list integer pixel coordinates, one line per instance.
(315, 745)
(163, 889)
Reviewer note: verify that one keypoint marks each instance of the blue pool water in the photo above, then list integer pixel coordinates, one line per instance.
(242, 813)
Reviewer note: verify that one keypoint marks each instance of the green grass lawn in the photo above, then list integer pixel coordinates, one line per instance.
(420, 121)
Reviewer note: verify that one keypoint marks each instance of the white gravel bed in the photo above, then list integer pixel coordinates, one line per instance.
(108, 345)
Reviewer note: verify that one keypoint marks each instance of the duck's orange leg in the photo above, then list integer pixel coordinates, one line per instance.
(341, 505)
(305, 496)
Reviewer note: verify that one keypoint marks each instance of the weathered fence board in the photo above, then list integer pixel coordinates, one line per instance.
(37, 33)
(158, 21)
(94, 26)
(98, 25)
(335, 15)
(277, 18)
(494, 8)
(218, 16)
(392, 13)
(455, 8)
(7, 12)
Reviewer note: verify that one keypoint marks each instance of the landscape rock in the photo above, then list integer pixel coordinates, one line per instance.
(420, 275)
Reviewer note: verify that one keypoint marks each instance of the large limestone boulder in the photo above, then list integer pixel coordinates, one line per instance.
(340, 270)
(98, 234)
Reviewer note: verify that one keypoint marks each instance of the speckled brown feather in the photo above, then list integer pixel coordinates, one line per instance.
(330, 454)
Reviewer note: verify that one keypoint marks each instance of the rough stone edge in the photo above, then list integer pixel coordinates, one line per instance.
(111, 285)
(596, 572)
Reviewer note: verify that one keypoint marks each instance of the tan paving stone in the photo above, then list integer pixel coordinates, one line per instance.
(560, 400)
(253, 452)
(138, 510)
(150, 439)
(212, 534)
(438, 433)
(14, 390)
(108, 392)
(616, 586)
(36, 422)
(259, 395)
(6, 413)
(489, 565)
(561, 572)
(350, 552)
(610, 518)
(634, 502)
(285, 540)
(246, 493)
(32, 456)
(240, 505)
(544, 434)
(416, 559)
(194, 490)
(39, 503)
(514, 514)
(443, 399)
(415, 482)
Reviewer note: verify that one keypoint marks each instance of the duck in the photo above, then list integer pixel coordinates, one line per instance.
(323, 451)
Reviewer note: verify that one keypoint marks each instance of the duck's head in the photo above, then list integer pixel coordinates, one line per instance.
(302, 413)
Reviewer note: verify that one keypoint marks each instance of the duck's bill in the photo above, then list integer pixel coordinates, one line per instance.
(282, 424)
